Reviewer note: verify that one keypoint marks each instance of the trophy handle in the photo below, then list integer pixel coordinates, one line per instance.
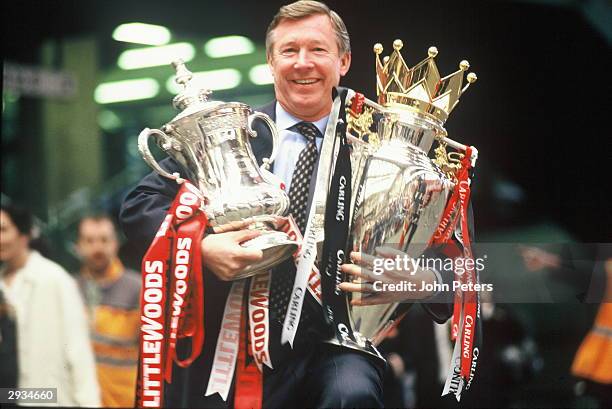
(273, 131)
(164, 142)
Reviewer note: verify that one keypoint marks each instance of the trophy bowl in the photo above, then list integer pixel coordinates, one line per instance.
(210, 140)
(401, 195)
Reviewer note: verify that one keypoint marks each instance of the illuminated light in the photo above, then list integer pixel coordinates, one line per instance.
(261, 75)
(141, 33)
(228, 46)
(155, 56)
(108, 120)
(128, 90)
(214, 80)
(10, 97)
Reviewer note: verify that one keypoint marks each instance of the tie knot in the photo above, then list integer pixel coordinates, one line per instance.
(308, 130)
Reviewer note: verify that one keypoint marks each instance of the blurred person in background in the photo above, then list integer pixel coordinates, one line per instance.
(588, 269)
(53, 346)
(593, 361)
(8, 344)
(112, 295)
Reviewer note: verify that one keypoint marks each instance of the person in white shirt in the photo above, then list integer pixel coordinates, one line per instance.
(53, 346)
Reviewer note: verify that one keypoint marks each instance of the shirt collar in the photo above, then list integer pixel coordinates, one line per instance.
(284, 120)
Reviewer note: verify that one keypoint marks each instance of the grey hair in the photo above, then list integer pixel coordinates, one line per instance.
(306, 8)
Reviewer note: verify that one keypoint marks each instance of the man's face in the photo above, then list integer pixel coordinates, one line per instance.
(12, 242)
(97, 244)
(306, 64)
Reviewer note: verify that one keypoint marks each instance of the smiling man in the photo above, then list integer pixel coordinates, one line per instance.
(308, 51)
(307, 57)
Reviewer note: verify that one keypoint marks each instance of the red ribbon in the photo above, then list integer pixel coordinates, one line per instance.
(357, 103)
(465, 301)
(172, 300)
(187, 278)
(249, 379)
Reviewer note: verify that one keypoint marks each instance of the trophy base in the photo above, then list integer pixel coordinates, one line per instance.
(276, 247)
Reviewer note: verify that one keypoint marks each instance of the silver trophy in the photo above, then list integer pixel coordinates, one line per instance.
(210, 140)
(399, 192)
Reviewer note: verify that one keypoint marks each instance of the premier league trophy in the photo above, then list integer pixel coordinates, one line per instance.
(209, 139)
(399, 193)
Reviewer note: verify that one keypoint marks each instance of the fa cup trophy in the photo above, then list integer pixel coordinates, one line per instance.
(399, 192)
(210, 140)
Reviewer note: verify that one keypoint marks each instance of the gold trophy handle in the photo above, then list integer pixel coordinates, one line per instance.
(164, 142)
(273, 131)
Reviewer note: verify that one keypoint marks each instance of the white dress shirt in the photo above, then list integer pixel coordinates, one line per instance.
(53, 346)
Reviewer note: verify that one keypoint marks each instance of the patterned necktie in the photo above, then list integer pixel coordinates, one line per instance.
(300, 181)
(282, 281)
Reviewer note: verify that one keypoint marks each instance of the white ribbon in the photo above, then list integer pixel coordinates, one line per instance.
(314, 229)
(454, 382)
(228, 343)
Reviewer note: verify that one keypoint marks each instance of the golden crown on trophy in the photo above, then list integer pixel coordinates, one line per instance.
(419, 88)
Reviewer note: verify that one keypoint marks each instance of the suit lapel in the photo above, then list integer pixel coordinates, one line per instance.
(268, 109)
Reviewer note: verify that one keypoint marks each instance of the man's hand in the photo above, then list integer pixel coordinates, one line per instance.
(363, 271)
(223, 254)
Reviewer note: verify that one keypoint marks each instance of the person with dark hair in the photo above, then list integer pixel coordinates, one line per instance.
(53, 346)
(112, 295)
